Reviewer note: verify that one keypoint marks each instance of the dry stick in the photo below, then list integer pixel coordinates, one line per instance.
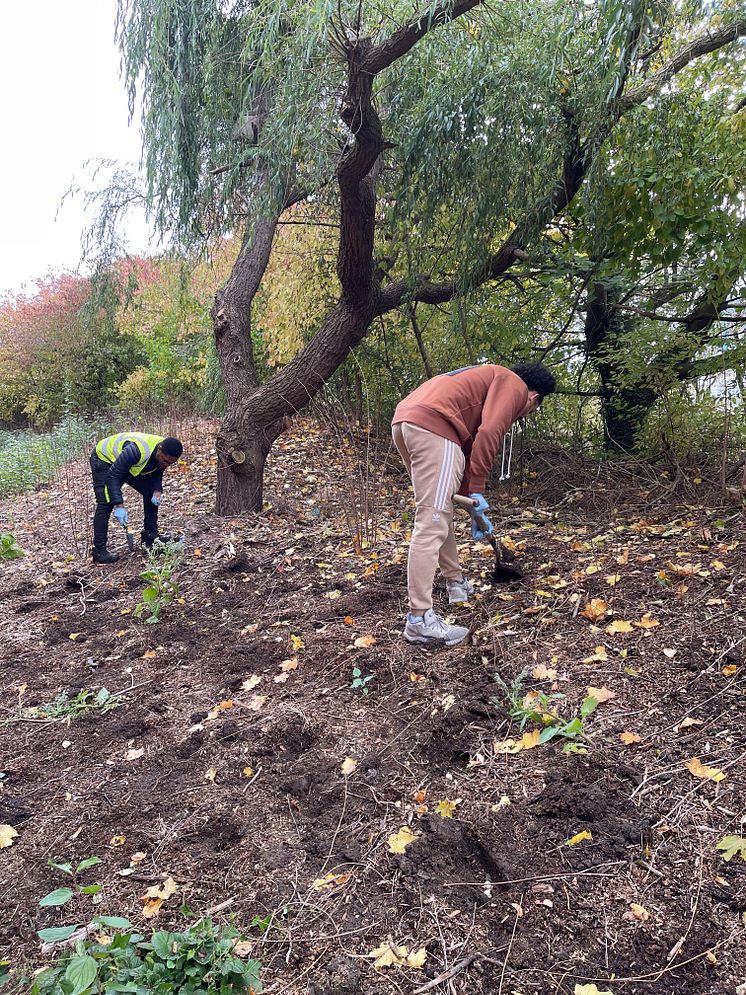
(447, 975)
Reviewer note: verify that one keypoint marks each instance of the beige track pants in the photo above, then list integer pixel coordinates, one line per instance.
(435, 466)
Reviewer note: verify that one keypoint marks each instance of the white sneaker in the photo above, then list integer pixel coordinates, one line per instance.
(433, 631)
(459, 590)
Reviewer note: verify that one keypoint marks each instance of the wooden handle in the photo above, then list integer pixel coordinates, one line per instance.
(464, 502)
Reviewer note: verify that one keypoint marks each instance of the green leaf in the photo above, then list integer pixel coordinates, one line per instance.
(55, 933)
(162, 944)
(149, 595)
(85, 864)
(60, 896)
(731, 846)
(549, 733)
(81, 973)
(65, 868)
(91, 889)
(589, 706)
(115, 922)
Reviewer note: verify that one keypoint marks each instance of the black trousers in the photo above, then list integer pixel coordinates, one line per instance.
(143, 485)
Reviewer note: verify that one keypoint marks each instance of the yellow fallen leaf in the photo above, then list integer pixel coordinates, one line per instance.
(529, 739)
(730, 669)
(251, 682)
(348, 620)
(595, 609)
(7, 835)
(333, 595)
(248, 772)
(221, 706)
(599, 656)
(416, 958)
(647, 622)
(628, 738)
(717, 565)
(446, 808)
(600, 694)
(619, 625)
(330, 879)
(155, 897)
(639, 912)
(590, 990)
(388, 955)
(585, 834)
(297, 643)
(117, 841)
(543, 673)
(363, 641)
(348, 766)
(398, 842)
(74, 636)
(698, 769)
(612, 579)
(148, 654)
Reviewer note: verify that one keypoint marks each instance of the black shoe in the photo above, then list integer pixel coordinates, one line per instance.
(148, 538)
(104, 556)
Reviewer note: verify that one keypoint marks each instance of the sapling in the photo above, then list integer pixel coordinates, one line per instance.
(161, 589)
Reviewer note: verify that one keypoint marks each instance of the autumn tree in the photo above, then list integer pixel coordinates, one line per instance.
(394, 121)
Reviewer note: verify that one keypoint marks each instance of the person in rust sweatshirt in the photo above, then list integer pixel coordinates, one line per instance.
(448, 432)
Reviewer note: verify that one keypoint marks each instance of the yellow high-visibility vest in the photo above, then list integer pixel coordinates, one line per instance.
(110, 448)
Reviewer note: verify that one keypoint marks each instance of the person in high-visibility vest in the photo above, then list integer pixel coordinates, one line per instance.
(139, 460)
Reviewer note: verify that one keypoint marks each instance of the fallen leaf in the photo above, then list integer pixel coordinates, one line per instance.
(155, 897)
(446, 808)
(348, 766)
(628, 738)
(249, 630)
(543, 673)
(590, 990)
(221, 706)
(730, 669)
(729, 847)
(388, 955)
(256, 702)
(647, 622)
(619, 625)
(331, 879)
(585, 834)
(211, 774)
(669, 653)
(398, 842)
(612, 579)
(599, 655)
(595, 609)
(117, 841)
(149, 654)
(134, 754)
(363, 641)
(601, 694)
(529, 739)
(7, 835)
(416, 958)
(74, 636)
(348, 620)
(639, 912)
(281, 678)
(297, 643)
(248, 772)
(698, 769)
(291, 664)
(687, 723)
(251, 682)
(242, 948)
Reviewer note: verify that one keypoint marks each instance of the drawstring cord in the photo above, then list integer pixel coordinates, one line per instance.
(507, 446)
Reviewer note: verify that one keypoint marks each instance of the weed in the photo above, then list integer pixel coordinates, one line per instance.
(360, 681)
(161, 589)
(61, 896)
(29, 459)
(9, 548)
(539, 708)
(204, 958)
(64, 708)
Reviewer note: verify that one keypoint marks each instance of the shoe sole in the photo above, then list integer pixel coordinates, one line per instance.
(424, 641)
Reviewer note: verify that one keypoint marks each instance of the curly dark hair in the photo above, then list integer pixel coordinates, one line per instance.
(536, 377)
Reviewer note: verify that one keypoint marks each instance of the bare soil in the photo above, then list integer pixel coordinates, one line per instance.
(234, 787)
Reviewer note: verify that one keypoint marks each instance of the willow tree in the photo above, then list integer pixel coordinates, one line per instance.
(388, 119)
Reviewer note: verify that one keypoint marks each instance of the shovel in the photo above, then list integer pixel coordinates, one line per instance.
(130, 538)
(502, 573)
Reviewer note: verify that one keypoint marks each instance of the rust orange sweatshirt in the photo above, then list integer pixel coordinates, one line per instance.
(473, 407)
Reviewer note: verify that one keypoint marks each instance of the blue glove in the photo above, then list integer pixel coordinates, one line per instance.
(481, 526)
(121, 515)
(156, 499)
(481, 504)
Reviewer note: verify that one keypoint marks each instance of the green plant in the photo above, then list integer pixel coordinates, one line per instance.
(204, 959)
(360, 681)
(65, 709)
(61, 896)
(161, 589)
(9, 548)
(539, 708)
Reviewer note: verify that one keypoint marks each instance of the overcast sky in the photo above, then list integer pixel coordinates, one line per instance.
(62, 104)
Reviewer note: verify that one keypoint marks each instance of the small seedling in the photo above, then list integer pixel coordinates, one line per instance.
(61, 896)
(64, 708)
(540, 709)
(203, 958)
(9, 548)
(161, 589)
(360, 681)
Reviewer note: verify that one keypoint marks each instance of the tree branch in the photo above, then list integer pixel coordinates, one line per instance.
(407, 36)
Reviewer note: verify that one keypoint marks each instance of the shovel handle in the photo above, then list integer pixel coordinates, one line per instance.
(469, 504)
